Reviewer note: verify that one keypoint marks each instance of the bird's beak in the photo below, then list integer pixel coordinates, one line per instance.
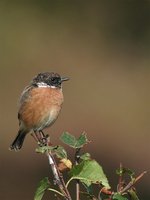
(64, 79)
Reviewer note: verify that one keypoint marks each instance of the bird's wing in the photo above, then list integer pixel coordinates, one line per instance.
(23, 98)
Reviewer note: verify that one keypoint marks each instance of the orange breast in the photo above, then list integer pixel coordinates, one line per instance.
(41, 108)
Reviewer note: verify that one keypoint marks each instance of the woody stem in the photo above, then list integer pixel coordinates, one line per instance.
(77, 158)
(58, 176)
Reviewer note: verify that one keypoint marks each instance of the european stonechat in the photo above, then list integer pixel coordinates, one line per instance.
(39, 106)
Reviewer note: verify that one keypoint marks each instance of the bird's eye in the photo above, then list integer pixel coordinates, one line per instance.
(52, 79)
(55, 81)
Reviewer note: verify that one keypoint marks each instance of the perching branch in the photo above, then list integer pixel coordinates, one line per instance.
(85, 170)
(58, 177)
(77, 158)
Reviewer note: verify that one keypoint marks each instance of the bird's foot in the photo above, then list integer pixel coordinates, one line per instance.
(41, 138)
(44, 140)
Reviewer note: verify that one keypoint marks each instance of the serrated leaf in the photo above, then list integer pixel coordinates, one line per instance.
(71, 141)
(68, 139)
(85, 156)
(60, 152)
(42, 187)
(88, 172)
(81, 141)
(118, 197)
(44, 149)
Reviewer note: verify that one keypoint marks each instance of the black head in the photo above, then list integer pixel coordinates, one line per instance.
(48, 79)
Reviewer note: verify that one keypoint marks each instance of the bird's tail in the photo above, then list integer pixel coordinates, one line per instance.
(18, 142)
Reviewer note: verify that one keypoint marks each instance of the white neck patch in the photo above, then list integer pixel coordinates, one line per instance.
(44, 85)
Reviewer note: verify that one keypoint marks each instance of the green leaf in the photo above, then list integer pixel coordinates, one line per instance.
(68, 139)
(81, 141)
(60, 152)
(71, 141)
(42, 187)
(118, 196)
(88, 172)
(122, 171)
(44, 149)
(85, 156)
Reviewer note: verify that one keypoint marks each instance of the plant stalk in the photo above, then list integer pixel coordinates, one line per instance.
(77, 158)
(58, 177)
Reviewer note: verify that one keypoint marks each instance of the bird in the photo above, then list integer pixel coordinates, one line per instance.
(39, 106)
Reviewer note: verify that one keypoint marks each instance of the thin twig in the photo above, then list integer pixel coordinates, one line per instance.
(75, 178)
(58, 177)
(44, 140)
(55, 172)
(55, 191)
(99, 194)
(77, 158)
(104, 191)
(131, 183)
(120, 182)
(77, 190)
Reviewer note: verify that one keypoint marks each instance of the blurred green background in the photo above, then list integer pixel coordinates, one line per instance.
(104, 47)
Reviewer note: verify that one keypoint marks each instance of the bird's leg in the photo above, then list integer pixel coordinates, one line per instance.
(43, 138)
(40, 138)
(42, 134)
(35, 136)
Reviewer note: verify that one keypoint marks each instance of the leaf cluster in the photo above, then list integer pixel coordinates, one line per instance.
(86, 172)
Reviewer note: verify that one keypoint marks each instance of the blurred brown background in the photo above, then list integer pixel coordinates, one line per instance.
(104, 47)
